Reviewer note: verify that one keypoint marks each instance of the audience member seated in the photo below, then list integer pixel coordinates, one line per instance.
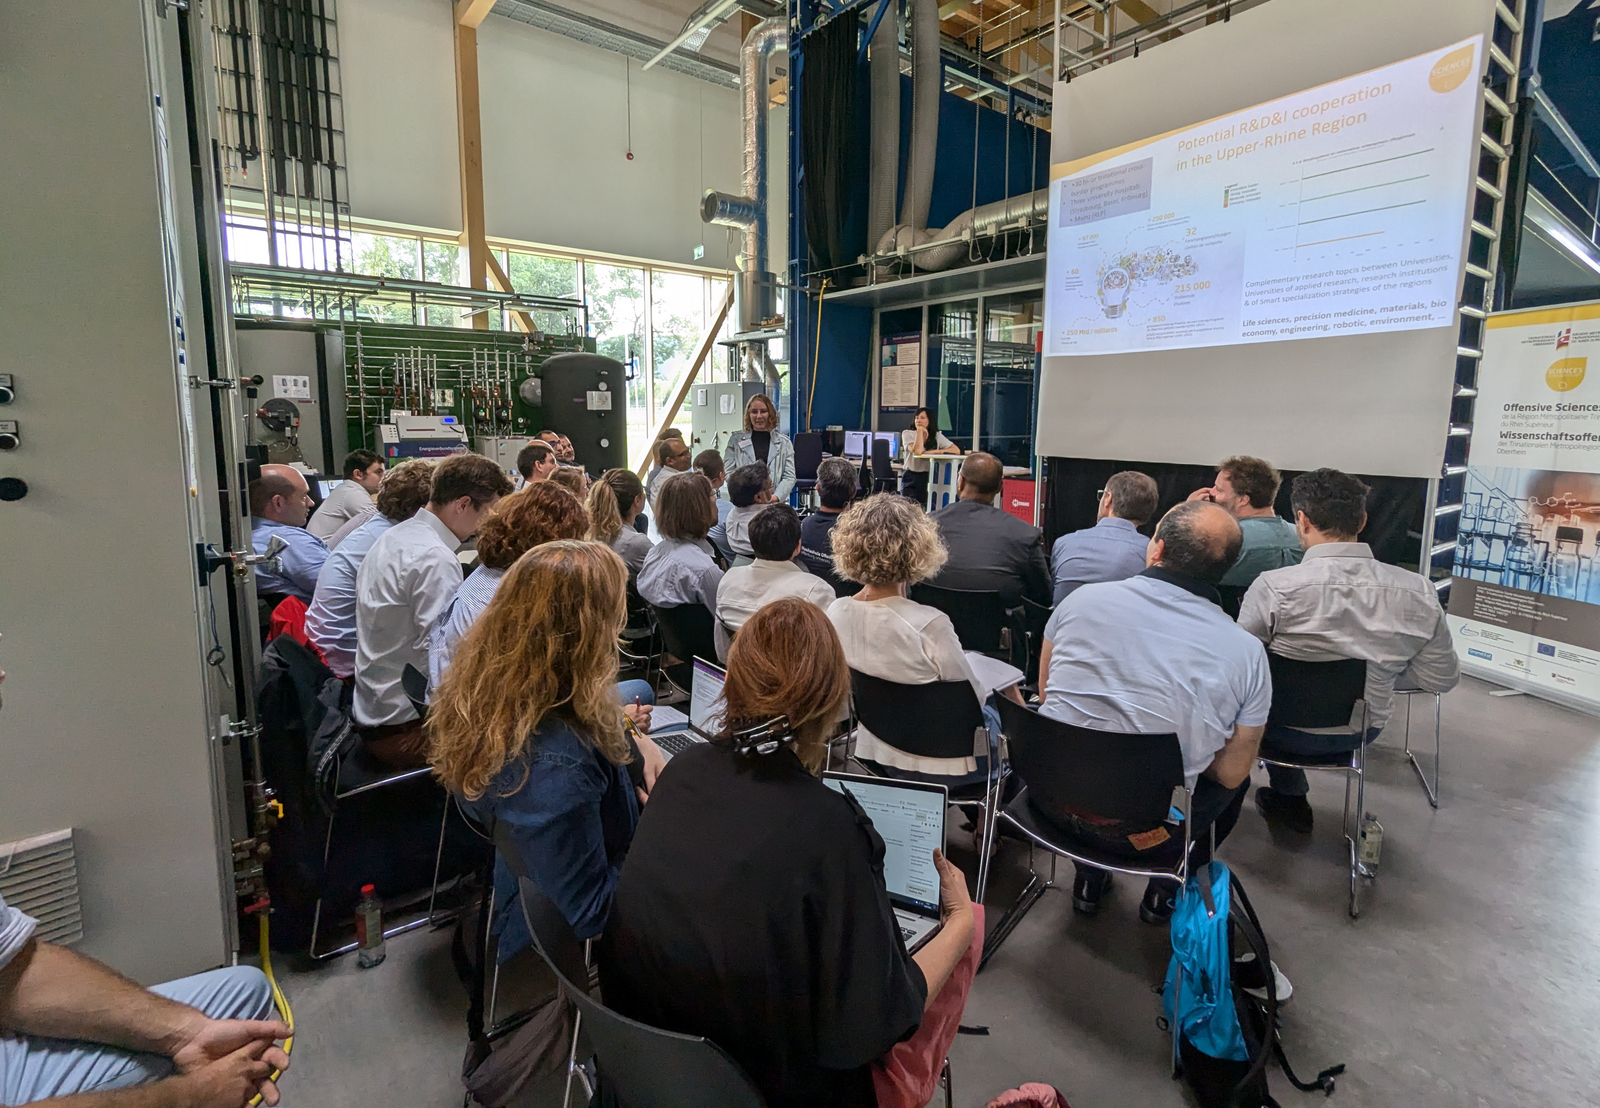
(540, 513)
(761, 441)
(565, 454)
(752, 907)
(331, 620)
(887, 544)
(614, 502)
(536, 461)
(280, 500)
(407, 578)
(922, 437)
(1112, 549)
(1154, 654)
(709, 464)
(363, 470)
(837, 481)
(672, 456)
(745, 590)
(526, 727)
(74, 1032)
(1341, 602)
(573, 479)
(681, 569)
(990, 550)
(1246, 488)
(750, 490)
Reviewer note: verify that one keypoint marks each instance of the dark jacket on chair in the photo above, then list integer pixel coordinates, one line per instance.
(992, 551)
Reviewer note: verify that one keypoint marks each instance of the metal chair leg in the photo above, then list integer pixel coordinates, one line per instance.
(1438, 718)
(316, 916)
(438, 863)
(572, 1057)
(949, 1087)
(1031, 892)
(991, 816)
(1357, 871)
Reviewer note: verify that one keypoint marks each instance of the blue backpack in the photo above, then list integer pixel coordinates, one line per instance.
(1226, 1035)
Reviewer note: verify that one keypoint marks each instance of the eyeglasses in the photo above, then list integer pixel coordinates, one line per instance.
(1099, 496)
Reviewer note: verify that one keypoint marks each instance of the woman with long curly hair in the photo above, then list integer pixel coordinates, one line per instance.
(526, 726)
(752, 908)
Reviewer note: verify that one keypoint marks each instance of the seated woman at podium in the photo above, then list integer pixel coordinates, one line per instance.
(922, 437)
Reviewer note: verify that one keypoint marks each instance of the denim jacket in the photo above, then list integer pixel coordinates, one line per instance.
(572, 818)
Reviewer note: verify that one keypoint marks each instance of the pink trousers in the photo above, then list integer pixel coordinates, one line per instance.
(907, 1076)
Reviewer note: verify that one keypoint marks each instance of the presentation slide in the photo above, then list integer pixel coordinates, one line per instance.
(1339, 210)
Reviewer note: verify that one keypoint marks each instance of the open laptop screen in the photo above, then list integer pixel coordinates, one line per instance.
(705, 698)
(855, 443)
(910, 818)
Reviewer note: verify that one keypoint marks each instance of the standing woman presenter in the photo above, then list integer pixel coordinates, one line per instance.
(761, 441)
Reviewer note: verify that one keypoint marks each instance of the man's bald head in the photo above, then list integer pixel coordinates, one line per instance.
(1200, 539)
(281, 495)
(981, 476)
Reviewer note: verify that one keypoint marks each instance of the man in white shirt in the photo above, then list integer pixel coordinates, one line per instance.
(363, 472)
(750, 490)
(773, 575)
(407, 578)
(1156, 653)
(1341, 602)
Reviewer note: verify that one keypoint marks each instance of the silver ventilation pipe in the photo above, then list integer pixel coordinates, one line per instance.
(884, 178)
(940, 249)
(755, 289)
(927, 84)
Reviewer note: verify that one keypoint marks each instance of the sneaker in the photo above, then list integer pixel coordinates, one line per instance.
(1156, 906)
(1247, 974)
(1290, 812)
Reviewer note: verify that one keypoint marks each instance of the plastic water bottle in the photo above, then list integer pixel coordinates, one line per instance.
(369, 928)
(1369, 847)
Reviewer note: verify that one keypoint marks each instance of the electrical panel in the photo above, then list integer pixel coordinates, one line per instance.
(716, 411)
(294, 392)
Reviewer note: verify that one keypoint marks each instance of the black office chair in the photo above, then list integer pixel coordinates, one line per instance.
(807, 457)
(689, 632)
(415, 684)
(983, 622)
(1232, 598)
(883, 475)
(639, 645)
(646, 1066)
(1034, 618)
(935, 720)
(1108, 774)
(1323, 695)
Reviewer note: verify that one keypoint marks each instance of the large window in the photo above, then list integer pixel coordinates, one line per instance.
(677, 324)
(615, 295)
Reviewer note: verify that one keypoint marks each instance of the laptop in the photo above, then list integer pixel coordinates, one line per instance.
(909, 815)
(855, 443)
(326, 486)
(704, 721)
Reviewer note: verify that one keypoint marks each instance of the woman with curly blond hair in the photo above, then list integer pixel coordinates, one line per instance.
(527, 730)
(887, 543)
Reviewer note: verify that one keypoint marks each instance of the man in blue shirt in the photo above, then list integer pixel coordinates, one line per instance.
(1113, 549)
(331, 619)
(1154, 654)
(280, 503)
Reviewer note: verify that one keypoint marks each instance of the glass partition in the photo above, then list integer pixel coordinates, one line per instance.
(952, 361)
(1011, 329)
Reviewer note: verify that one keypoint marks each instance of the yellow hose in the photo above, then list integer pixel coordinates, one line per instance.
(277, 998)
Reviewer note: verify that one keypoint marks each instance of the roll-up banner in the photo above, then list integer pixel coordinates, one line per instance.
(1525, 598)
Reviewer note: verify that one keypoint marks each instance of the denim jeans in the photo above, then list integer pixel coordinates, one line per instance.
(36, 1068)
(1292, 782)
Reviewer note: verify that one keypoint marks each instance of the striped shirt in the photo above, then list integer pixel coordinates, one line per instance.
(471, 598)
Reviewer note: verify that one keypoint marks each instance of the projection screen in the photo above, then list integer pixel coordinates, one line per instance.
(1256, 240)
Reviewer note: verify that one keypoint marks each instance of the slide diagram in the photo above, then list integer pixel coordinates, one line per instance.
(1338, 210)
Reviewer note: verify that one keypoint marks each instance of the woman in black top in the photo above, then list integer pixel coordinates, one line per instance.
(752, 908)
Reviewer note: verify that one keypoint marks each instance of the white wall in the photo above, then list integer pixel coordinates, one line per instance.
(555, 135)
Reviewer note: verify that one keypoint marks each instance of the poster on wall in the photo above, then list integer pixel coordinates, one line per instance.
(1525, 596)
(899, 372)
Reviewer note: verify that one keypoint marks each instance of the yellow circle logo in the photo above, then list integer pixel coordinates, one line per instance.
(1566, 374)
(1449, 71)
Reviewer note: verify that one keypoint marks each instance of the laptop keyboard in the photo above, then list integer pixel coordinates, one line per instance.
(906, 933)
(675, 742)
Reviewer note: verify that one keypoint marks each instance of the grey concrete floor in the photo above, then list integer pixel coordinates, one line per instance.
(1472, 977)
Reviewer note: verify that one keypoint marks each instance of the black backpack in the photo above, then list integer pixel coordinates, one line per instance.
(1226, 1083)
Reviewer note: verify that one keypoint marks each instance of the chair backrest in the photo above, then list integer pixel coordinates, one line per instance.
(688, 630)
(807, 455)
(980, 618)
(1102, 773)
(1315, 694)
(882, 469)
(415, 684)
(935, 720)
